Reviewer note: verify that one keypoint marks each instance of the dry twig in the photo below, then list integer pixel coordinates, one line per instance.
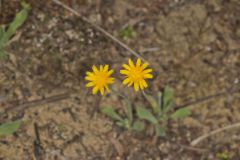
(38, 102)
(210, 97)
(201, 138)
(99, 29)
(191, 148)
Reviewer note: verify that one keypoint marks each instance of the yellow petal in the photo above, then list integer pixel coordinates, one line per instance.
(89, 74)
(141, 85)
(148, 76)
(136, 86)
(95, 70)
(147, 71)
(105, 69)
(144, 65)
(126, 67)
(131, 82)
(138, 64)
(107, 88)
(130, 62)
(90, 78)
(101, 68)
(102, 91)
(90, 84)
(95, 90)
(110, 80)
(110, 72)
(145, 85)
(126, 81)
(124, 72)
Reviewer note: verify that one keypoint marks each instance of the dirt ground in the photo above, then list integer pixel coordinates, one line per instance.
(192, 45)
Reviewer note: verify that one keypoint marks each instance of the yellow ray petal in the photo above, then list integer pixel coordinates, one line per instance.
(124, 72)
(95, 70)
(110, 72)
(126, 67)
(136, 86)
(89, 74)
(141, 85)
(145, 85)
(131, 83)
(95, 90)
(90, 78)
(90, 84)
(101, 68)
(144, 65)
(130, 62)
(147, 71)
(105, 69)
(138, 64)
(148, 76)
(107, 89)
(110, 80)
(102, 91)
(126, 81)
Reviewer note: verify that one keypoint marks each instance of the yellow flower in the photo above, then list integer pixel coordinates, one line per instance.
(99, 79)
(136, 74)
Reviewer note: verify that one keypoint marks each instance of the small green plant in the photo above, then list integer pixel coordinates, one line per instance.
(9, 128)
(127, 33)
(7, 32)
(125, 121)
(222, 156)
(162, 110)
(159, 111)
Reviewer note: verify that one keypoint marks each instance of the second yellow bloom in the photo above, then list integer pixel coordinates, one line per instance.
(136, 74)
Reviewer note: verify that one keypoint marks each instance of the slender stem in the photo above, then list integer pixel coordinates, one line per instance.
(128, 105)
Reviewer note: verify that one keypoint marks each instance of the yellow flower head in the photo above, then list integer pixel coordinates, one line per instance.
(136, 74)
(99, 79)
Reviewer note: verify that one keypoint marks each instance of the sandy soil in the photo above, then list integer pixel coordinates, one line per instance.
(193, 46)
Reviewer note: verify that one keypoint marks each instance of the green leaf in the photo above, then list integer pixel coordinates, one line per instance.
(1, 31)
(223, 156)
(128, 105)
(159, 99)
(3, 55)
(170, 105)
(14, 25)
(167, 96)
(124, 123)
(127, 33)
(152, 101)
(9, 128)
(120, 124)
(181, 113)
(25, 5)
(160, 131)
(163, 117)
(138, 126)
(168, 99)
(159, 103)
(147, 115)
(111, 113)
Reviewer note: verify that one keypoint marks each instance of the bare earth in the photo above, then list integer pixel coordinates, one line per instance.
(192, 45)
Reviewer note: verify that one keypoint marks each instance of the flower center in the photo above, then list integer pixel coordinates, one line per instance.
(102, 79)
(136, 74)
